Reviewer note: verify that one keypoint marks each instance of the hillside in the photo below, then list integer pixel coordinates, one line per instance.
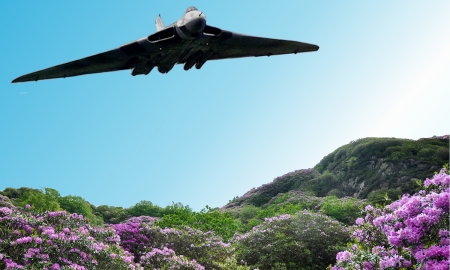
(365, 168)
(281, 224)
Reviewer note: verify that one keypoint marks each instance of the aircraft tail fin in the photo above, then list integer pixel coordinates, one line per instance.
(159, 23)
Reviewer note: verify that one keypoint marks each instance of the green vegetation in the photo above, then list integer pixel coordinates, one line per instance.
(40, 200)
(220, 222)
(302, 241)
(367, 171)
(382, 163)
(384, 196)
(345, 210)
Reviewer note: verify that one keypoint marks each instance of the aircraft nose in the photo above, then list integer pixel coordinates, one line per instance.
(196, 25)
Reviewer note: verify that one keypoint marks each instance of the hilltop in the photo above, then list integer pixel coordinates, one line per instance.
(366, 168)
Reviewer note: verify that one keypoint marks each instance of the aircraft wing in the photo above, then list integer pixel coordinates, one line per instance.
(234, 45)
(112, 60)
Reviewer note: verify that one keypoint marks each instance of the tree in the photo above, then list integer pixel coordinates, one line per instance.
(111, 214)
(40, 201)
(76, 204)
(145, 208)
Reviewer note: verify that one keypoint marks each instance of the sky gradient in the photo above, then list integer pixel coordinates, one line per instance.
(202, 137)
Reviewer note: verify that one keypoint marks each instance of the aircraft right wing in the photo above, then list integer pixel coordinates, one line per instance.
(234, 45)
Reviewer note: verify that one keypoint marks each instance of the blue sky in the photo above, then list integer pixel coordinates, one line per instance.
(204, 136)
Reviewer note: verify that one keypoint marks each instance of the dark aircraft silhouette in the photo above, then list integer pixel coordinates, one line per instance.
(189, 41)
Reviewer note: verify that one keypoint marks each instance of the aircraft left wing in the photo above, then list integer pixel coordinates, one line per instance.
(112, 60)
(234, 45)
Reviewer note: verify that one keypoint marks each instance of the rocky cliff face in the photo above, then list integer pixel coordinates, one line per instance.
(389, 175)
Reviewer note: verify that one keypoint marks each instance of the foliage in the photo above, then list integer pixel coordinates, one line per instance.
(384, 196)
(283, 184)
(167, 259)
(144, 240)
(5, 202)
(145, 208)
(220, 222)
(291, 202)
(302, 241)
(76, 204)
(41, 201)
(56, 240)
(345, 210)
(410, 233)
(111, 214)
(380, 163)
(323, 183)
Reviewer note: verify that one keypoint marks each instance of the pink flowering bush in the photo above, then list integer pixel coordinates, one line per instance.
(410, 233)
(55, 240)
(167, 259)
(187, 246)
(305, 240)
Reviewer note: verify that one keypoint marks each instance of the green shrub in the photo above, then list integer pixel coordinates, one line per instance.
(345, 210)
(302, 241)
(384, 196)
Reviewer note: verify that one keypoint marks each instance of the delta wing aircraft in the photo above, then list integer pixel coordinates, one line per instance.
(188, 41)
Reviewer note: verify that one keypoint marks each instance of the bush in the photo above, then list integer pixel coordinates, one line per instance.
(76, 204)
(345, 210)
(167, 259)
(140, 237)
(302, 241)
(384, 196)
(410, 233)
(145, 208)
(56, 240)
(111, 214)
(220, 222)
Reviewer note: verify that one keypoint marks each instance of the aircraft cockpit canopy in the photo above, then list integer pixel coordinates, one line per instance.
(189, 9)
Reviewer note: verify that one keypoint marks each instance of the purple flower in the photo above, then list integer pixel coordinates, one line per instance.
(343, 256)
(406, 224)
(359, 221)
(367, 266)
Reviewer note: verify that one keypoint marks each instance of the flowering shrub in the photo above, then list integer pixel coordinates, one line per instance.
(221, 223)
(166, 259)
(411, 233)
(302, 241)
(186, 246)
(5, 202)
(55, 240)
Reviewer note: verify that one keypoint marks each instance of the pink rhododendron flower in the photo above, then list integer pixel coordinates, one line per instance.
(412, 231)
